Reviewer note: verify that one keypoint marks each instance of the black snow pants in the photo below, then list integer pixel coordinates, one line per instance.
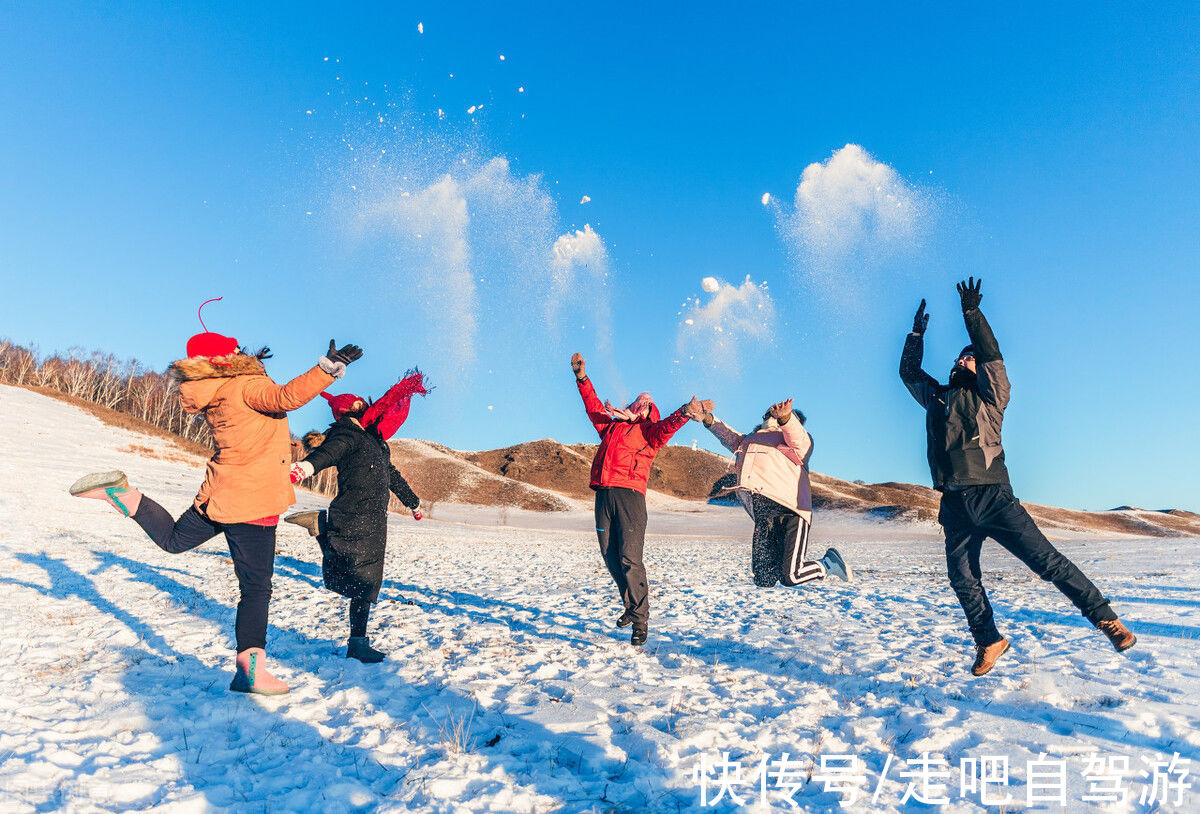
(974, 513)
(779, 547)
(251, 547)
(621, 527)
(360, 605)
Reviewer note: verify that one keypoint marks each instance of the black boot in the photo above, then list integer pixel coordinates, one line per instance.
(359, 647)
(624, 620)
(638, 637)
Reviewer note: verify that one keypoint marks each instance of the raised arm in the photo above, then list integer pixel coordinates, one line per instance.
(658, 433)
(730, 438)
(591, 402)
(265, 396)
(990, 373)
(794, 434)
(919, 383)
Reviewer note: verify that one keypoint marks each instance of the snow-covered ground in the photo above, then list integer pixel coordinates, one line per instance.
(507, 687)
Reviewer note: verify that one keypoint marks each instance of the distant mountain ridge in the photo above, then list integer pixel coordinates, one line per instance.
(550, 476)
(547, 475)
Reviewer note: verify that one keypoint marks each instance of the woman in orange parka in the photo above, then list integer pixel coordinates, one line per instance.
(247, 484)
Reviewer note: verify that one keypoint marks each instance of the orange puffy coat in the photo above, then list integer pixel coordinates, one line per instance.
(247, 477)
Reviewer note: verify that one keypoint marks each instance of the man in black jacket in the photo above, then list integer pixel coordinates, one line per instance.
(966, 458)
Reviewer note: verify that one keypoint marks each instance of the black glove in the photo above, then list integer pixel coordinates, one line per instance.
(968, 292)
(921, 320)
(345, 354)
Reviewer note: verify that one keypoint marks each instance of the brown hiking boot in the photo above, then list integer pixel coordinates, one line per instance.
(986, 656)
(1121, 637)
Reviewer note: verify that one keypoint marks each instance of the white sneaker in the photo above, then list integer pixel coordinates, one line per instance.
(835, 565)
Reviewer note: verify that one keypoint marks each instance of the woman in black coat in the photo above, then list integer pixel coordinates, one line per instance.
(353, 532)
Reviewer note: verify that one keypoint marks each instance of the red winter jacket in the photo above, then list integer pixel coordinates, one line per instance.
(627, 448)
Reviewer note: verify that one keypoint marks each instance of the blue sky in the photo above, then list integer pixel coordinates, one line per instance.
(156, 155)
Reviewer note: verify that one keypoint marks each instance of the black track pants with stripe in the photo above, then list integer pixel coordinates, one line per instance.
(621, 527)
(780, 546)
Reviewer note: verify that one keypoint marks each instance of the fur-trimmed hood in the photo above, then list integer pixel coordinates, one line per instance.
(202, 367)
(200, 378)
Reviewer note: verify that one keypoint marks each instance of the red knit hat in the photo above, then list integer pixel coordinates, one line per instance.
(210, 344)
(340, 405)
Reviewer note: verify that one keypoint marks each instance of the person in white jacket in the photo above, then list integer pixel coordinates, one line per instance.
(771, 464)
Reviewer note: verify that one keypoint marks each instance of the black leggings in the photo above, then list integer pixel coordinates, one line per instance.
(252, 548)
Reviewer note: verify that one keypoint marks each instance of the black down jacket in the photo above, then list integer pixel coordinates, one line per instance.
(355, 533)
(962, 421)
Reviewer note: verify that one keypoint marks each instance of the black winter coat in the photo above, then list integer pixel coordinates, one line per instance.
(355, 533)
(962, 422)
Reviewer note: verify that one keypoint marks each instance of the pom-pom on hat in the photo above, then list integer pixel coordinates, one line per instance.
(209, 344)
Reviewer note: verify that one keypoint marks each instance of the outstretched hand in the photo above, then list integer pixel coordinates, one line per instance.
(968, 292)
(695, 409)
(345, 354)
(578, 365)
(782, 411)
(921, 320)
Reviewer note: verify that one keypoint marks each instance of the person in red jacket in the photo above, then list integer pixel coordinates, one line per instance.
(629, 440)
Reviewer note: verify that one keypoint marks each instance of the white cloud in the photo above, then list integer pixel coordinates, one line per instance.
(852, 210)
(579, 284)
(467, 248)
(438, 216)
(735, 323)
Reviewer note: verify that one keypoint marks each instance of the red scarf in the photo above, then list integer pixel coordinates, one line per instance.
(387, 414)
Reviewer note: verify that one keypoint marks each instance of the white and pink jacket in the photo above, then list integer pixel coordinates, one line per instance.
(772, 461)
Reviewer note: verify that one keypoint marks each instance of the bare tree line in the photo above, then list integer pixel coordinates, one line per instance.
(126, 386)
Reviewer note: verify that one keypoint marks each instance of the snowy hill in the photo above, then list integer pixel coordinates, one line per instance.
(508, 689)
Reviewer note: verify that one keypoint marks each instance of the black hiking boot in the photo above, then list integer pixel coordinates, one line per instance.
(638, 637)
(359, 647)
(624, 620)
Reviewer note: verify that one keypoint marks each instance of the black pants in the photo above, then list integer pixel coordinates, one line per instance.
(621, 526)
(779, 547)
(251, 547)
(975, 513)
(360, 604)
